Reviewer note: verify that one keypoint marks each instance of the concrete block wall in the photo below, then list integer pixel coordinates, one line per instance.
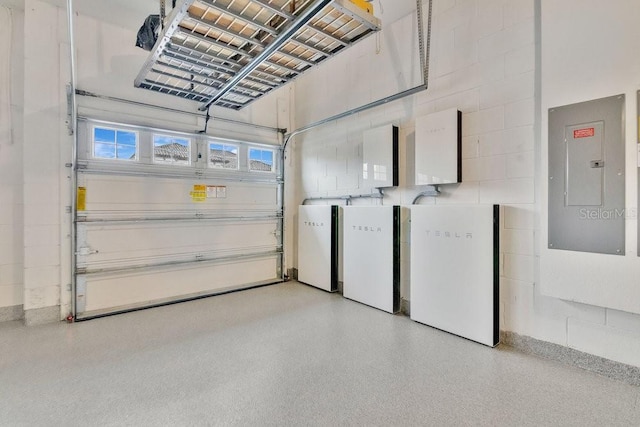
(472, 44)
(483, 63)
(43, 125)
(586, 66)
(11, 146)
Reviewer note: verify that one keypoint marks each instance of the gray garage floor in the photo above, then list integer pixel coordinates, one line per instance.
(286, 355)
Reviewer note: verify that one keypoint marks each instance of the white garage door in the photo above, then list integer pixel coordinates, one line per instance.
(165, 216)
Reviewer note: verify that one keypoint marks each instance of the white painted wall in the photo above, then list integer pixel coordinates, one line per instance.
(11, 145)
(597, 58)
(44, 135)
(484, 63)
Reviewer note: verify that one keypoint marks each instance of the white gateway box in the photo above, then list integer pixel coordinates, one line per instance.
(371, 256)
(438, 158)
(454, 270)
(380, 157)
(318, 246)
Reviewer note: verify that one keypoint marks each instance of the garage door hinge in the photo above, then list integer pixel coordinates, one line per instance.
(81, 270)
(199, 257)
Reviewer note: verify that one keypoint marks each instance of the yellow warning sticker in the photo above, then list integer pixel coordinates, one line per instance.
(199, 193)
(81, 201)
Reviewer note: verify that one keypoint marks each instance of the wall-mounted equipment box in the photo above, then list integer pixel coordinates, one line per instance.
(318, 246)
(454, 270)
(380, 157)
(587, 176)
(438, 158)
(371, 256)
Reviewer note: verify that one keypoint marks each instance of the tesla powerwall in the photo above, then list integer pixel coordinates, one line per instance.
(454, 270)
(371, 256)
(318, 246)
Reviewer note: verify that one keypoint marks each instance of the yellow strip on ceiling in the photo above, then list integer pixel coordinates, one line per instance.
(363, 5)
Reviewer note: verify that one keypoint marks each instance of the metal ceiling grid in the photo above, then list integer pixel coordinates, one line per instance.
(231, 52)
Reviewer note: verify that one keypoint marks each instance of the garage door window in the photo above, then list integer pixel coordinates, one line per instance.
(260, 160)
(223, 156)
(171, 150)
(118, 144)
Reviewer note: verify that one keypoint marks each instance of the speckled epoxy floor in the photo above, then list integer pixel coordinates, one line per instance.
(286, 355)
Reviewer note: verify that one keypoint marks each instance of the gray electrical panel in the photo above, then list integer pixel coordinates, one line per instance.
(586, 176)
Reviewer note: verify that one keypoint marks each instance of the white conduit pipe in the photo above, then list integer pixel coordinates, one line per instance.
(425, 54)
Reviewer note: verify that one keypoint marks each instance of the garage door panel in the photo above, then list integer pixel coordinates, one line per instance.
(138, 289)
(110, 193)
(100, 246)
